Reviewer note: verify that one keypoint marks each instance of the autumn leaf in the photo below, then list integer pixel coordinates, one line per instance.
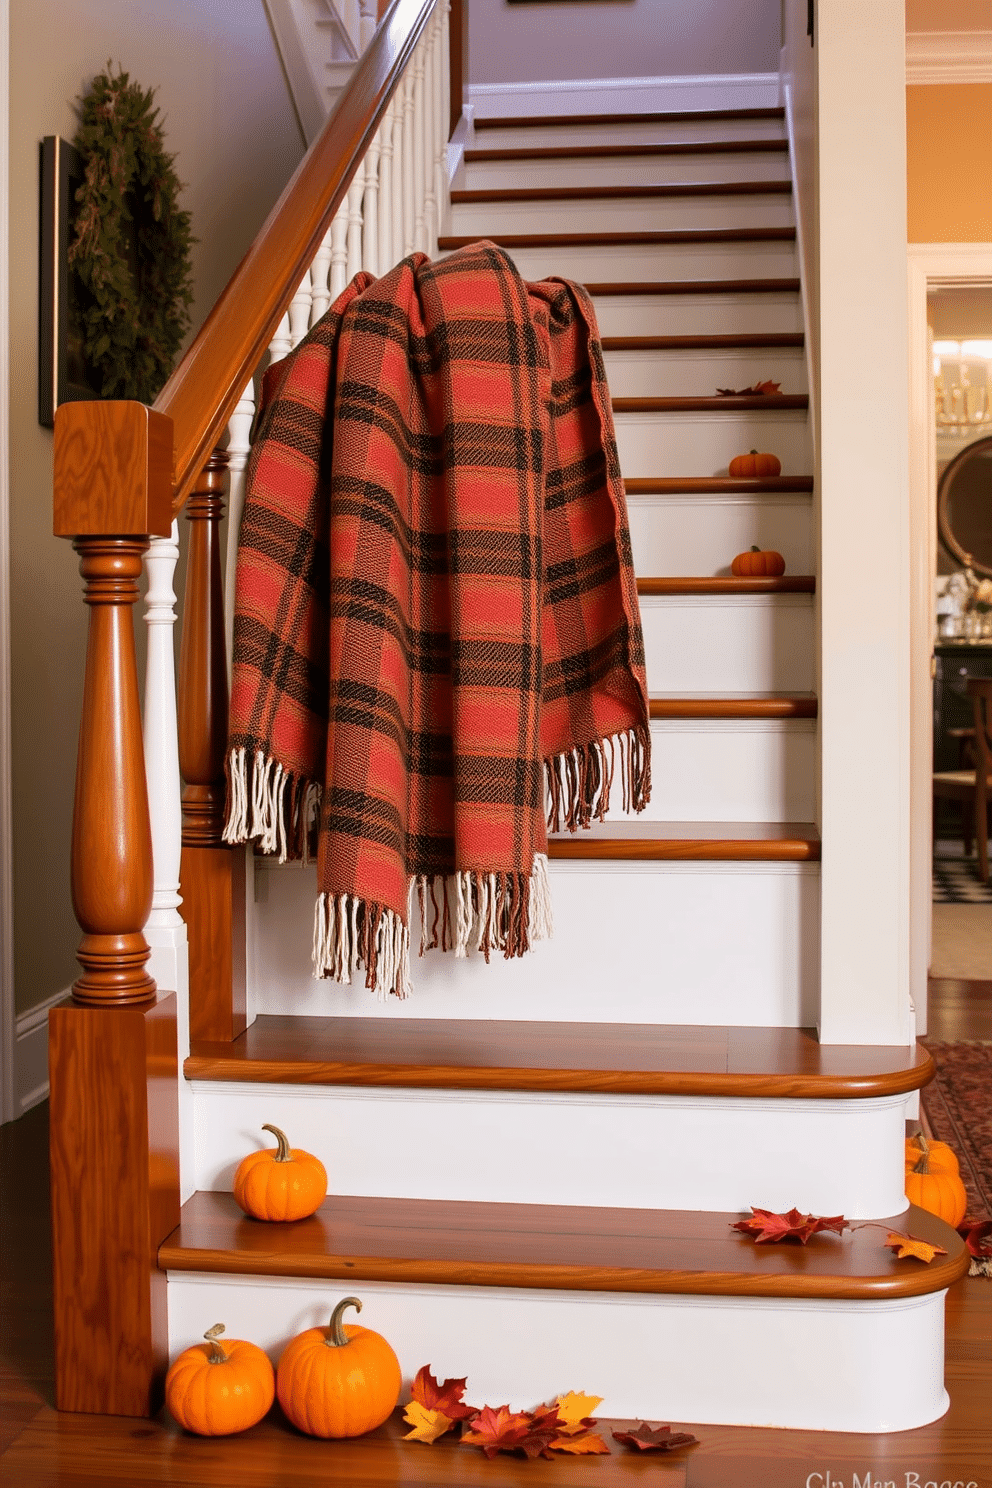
(905, 1245)
(580, 1445)
(767, 1226)
(655, 1438)
(499, 1430)
(977, 1236)
(427, 1424)
(445, 1397)
(575, 1411)
(765, 389)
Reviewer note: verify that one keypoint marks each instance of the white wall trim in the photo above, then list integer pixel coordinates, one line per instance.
(626, 95)
(930, 265)
(31, 1053)
(949, 57)
(8, 1107)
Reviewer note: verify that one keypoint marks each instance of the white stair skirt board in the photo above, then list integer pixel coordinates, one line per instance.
(698, 373)
(732, 643)
(740, 90)
(721, 769)
(700, 533)
(622, 214)
(641, 262)
(634, 942)
(715, 1360)
(661, 443)
(639, 1152)
(698, 314)
(620, 170)
(500, 137)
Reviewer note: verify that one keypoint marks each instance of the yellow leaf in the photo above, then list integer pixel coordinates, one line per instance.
(573, 1409)
(591, 1442)
(905, 1245)
(427, 1425)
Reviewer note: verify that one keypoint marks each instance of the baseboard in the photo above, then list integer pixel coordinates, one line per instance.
(31, 1054)
(626, 95)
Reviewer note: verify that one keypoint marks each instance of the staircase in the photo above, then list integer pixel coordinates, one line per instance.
(543, 1159)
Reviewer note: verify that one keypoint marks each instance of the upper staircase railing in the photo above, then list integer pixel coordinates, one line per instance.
(372, 188)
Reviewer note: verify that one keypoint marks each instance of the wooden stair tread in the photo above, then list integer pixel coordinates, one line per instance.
(635, 191)
(660, 485)
(693, 286)
(720, 584)
(637, 840)
(733, 705)
(539, 121)
(603, 1058)
(454, 1243)
(511, 153)
(728, 341)
(650, 236)
(715, 403)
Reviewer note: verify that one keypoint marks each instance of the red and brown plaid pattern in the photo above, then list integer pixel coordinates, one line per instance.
(437, 643)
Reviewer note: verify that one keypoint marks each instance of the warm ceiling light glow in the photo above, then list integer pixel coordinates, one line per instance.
(977, 349)
(947, 348)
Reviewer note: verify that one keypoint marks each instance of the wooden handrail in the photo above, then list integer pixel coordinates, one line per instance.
(201, 394)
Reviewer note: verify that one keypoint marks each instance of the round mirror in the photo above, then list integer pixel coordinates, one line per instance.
(964, 507)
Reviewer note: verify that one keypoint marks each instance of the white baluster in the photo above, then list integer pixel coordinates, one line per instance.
(354, 201)
(430, 137)
(386, 190)
(418, 121)
(445, 7)
(339, 250)
(238, 450)
(299, 312)
(282, 343)
(370, 232)
(161, 730)
(320, 289)
(367, 22)
(441, 187)
(351, 15)
(408, 164)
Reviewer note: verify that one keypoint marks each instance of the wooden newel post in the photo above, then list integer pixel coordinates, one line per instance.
(112, 1052)
(209, 875)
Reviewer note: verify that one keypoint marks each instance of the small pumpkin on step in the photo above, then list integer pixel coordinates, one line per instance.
(215, 1390)
(758, 563)
(338, 1381)
(280, 1183)
(755, 464)
(937, 1188)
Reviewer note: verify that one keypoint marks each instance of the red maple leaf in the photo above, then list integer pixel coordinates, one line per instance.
(977, 1236)
(763, 389)
(655, 1438)
(764, 1225)
(497, 1430)
(445, 1397)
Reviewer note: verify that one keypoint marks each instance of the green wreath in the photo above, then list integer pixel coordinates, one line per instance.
(131, 246)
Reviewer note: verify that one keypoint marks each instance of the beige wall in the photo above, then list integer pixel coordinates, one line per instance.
(949, 163)
(228, 117)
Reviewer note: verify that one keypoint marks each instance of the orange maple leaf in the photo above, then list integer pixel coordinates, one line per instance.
(497, 1430)
(580, 1445)
(427, 1424)
(905, 1245)
(575, 1411)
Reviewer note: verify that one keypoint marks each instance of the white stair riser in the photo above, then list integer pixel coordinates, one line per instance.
(705, 443)
(663, 1152)
(627, 948)
(664, 374)
(624, 262)
(739, 643)
(699, 314)
(509, 137)
(731, 770)
(659, 1358)
(682, 213)
(702, 533)
(620, 170)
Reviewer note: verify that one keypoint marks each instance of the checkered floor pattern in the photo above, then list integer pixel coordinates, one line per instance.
(956, 881)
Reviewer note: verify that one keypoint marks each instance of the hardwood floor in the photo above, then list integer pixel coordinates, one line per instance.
(41, 1447)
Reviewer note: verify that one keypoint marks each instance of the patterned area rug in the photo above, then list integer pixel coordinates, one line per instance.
(957, 881)
(957, 1109)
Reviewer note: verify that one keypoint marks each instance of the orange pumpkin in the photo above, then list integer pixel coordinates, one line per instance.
(940, 1157)
(757, 562)
(338, 1381)
(280, 1183)
(755, 464)
(215, 1391)
(941, 1193)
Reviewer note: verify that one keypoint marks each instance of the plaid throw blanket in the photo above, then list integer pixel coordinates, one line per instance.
(437, 650)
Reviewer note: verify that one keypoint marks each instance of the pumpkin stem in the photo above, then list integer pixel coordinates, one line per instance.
(216, 1354)
(752, 452)
(755, 548)
(923, 1165)
(282, 1152)
(338, 1337)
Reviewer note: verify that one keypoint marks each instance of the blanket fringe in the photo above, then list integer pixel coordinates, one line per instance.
(580, 780)
(349, 932)
(266, 805)
(466, 911)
